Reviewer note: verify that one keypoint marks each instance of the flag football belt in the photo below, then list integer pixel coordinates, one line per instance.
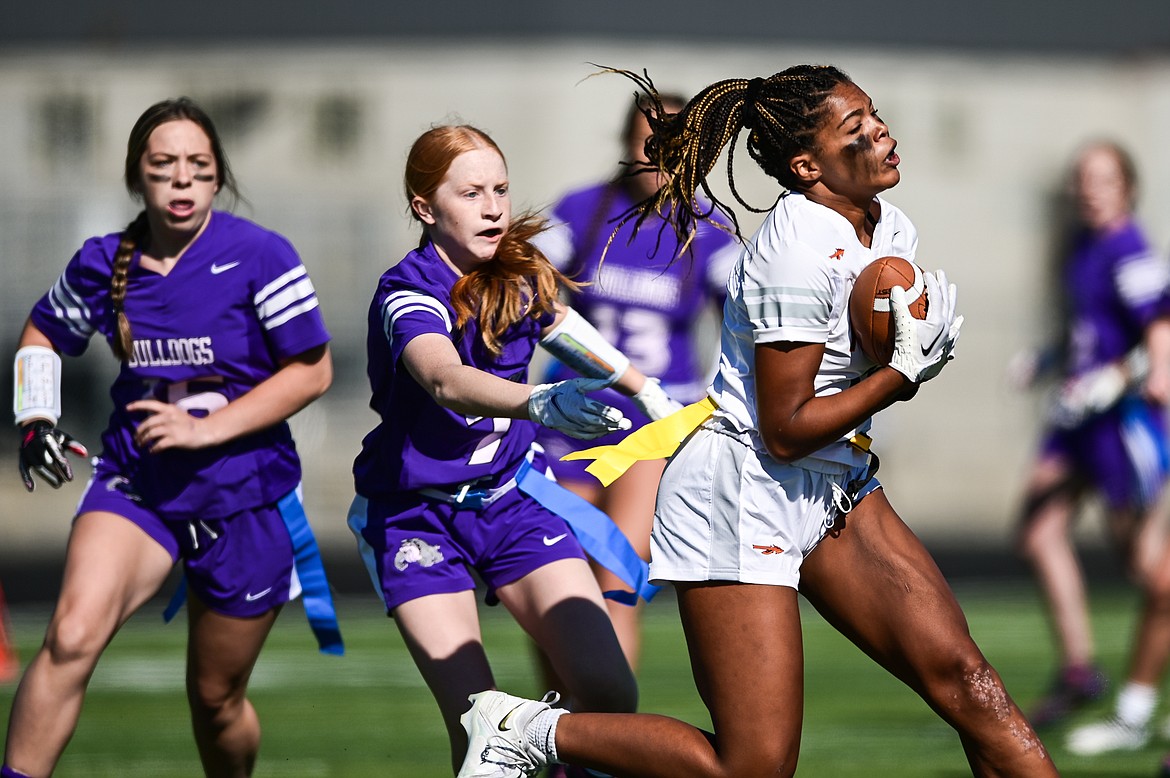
(315, 594)
(660, 439)
(599, 537)
(465, 497)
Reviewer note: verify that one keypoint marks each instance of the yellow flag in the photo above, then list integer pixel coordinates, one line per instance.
(657, 440)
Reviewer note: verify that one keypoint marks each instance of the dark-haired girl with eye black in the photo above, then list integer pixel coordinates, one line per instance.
(220, 338)
(773, 491)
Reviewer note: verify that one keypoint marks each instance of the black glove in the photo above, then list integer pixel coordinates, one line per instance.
(42, 451)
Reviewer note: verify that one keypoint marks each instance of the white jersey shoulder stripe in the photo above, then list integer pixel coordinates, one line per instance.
(70, 308)
(291, 313)
(1142, 278)
(295, 295)
(281, 281)
(785, 305)
(401, 303)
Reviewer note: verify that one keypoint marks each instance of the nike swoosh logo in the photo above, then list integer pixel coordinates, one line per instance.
(553, 541)
(249, 597)
(217, 269)
(504, 721)
(926, 349)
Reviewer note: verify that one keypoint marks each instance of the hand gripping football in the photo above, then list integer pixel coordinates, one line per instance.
(869, 304)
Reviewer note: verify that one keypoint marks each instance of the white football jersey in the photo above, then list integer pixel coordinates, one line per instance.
(792, 283)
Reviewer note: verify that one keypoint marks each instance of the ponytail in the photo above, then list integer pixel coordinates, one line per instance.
(781, 113)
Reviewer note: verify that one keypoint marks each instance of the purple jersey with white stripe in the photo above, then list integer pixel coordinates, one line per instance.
(1116, 285)
(237, 302)
(419, 443)
(638, 299)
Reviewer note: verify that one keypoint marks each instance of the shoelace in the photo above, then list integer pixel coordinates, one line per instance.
(501, 751)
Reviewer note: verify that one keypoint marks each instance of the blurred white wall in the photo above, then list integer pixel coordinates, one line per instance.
(318, 135)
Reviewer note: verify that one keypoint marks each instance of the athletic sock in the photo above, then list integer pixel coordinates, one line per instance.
(541, 732)
(1135, 704)
(8, 772)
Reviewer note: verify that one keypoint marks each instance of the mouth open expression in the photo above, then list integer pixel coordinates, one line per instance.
(178, 177)
(469, 213)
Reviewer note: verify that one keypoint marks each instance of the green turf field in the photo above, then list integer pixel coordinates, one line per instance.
(367, 714)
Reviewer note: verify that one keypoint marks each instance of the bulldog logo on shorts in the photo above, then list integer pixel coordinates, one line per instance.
(120, 483)
(416, 551)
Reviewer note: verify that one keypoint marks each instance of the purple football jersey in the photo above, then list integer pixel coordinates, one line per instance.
(419, 443)
(1115, 285)
(237, 302)
(644, 298)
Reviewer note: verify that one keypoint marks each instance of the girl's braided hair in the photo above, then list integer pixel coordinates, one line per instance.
(782, 114)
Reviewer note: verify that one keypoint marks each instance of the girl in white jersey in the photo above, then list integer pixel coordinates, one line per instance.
(774, 493)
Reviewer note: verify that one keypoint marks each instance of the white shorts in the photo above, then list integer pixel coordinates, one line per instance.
(725, 513)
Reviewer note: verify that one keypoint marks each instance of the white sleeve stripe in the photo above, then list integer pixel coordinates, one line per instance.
(68, 291)
(1142, 278)
(785, 305)
(282, 280)
(291, 313)
(403, 302)
(388, 322)
(70, 308)
(293, 295)
(418, 303)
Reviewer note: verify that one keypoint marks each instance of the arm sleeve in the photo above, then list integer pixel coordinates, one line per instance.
(789, 297)
(408, 313)
(78, 304)
(1142, 280)
(286, 301)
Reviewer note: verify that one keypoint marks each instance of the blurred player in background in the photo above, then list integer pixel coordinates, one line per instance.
(220, 340)
(646, 300)
(1105, 434)
(775, 488)
(451, 480)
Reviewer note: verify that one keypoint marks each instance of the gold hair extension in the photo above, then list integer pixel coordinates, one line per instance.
(781, 113)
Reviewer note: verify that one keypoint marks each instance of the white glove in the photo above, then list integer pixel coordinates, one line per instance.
(922, 347)
(563, 406)
(1088, 394)
(653, 401)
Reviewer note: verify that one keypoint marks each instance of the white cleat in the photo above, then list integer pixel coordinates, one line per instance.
(496, 744)
(1105, 736)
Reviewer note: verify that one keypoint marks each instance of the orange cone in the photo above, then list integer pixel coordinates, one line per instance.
(9, 662)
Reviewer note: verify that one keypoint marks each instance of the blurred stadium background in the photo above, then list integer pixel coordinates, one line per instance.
(318, 105)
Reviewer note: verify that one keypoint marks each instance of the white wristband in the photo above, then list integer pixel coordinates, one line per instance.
(36, 390)
(579, 345)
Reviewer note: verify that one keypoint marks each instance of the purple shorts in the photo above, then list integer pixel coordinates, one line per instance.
(414, 546)
(239, 566)
(1122, 453)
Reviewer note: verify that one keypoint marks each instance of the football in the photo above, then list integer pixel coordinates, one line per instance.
(869, 304)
